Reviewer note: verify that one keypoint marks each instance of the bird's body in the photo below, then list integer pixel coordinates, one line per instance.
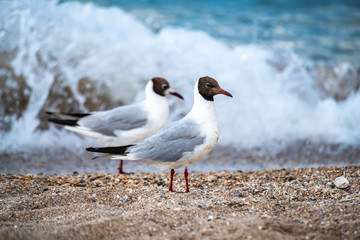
(183, 142)
(126, 124)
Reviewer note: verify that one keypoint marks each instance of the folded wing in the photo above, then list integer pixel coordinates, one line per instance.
(119, 119)
(169, 144)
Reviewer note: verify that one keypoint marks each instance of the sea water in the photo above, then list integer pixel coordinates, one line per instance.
(292, 67)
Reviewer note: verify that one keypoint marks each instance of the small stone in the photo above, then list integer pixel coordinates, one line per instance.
(212, 178)
(341, 182)
(82, 181)
(290, 178)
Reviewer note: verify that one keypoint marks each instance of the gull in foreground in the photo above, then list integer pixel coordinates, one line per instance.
(126, 124)
(181, 143)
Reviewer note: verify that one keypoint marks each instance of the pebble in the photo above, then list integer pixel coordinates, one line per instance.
(270, 198)
(212, 178)
(341, 182)
(290, 178)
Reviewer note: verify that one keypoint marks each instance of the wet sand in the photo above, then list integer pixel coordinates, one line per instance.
(300, 203)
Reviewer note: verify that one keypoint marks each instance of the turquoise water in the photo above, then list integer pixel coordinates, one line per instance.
(325, 30)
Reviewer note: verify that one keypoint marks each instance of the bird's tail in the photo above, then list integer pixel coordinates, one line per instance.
(69, 119)
(121, 150)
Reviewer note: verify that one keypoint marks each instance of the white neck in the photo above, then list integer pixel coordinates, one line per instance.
(203, 111)
(156, 104)
(152, 97)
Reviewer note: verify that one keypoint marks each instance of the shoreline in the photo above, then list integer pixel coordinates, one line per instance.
(298, 154)
(272, 203)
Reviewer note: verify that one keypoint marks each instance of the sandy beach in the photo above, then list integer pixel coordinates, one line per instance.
(301, 203)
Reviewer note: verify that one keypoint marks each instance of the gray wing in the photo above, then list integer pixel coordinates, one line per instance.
(170, 143)
(121, 118)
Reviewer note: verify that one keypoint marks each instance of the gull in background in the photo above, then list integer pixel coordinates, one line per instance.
(182, 142)
(126, 124)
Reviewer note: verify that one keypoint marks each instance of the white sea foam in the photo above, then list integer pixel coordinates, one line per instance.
(112, 47)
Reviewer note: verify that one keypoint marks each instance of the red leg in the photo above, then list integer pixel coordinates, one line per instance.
(186, 179)
(171, 180)
(120, 168)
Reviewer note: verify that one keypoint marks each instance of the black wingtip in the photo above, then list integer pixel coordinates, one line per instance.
(67, 122)
(91, 149)
(121, 150)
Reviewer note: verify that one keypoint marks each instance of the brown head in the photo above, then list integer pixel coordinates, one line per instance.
(162, 87)
(209, 87)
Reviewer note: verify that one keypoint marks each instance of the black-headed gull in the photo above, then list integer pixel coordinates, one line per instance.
(181, 143)
(126, 124)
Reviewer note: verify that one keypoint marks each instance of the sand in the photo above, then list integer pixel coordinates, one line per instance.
(300, 203)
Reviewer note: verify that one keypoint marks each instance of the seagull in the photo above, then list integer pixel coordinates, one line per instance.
(123, 125)
(182, 142)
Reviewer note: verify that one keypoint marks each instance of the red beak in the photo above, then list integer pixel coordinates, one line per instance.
(222, 91)
(177, 95)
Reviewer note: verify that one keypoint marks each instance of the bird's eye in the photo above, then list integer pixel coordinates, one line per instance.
(208, 85)
(164, 86)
